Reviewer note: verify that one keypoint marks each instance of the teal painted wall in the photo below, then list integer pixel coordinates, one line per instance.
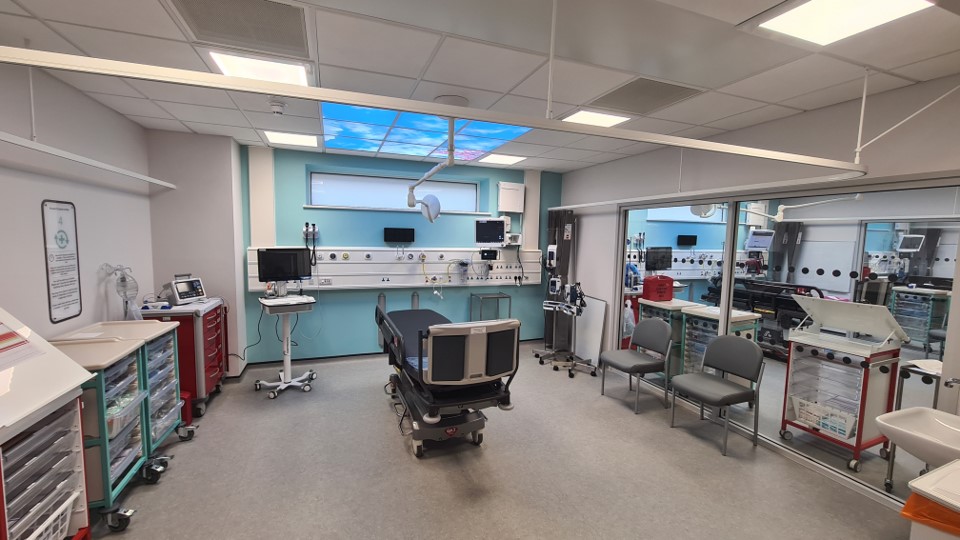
(342, 321)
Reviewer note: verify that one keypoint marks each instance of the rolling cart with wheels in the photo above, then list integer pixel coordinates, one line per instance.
(566, 359)
(283, 307)
(836, 386)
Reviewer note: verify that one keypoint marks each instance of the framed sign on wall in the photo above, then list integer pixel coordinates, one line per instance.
(62, 257)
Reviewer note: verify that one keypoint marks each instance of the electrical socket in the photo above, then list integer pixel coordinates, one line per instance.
(324, 281)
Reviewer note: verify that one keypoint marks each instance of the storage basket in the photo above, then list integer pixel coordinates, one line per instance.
(828, 420)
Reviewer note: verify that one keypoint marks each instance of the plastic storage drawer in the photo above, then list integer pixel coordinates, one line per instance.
(122, 418)
(163, 424)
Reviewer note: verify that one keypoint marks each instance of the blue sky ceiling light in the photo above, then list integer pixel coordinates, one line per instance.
(367, 129)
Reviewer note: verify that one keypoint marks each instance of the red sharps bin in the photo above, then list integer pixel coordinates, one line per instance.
(658, 288)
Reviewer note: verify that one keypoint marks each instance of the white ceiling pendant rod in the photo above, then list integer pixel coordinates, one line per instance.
(553, 42)
(99, 66)
(863, 110)
(411, 198)
(911, 117)
(33, 107)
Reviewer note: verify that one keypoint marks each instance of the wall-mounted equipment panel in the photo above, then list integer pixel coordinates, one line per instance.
(339, 268)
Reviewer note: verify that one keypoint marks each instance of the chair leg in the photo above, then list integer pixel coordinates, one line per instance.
(756, 416)
(701, 410)
(673, 408)
(665, 387)
(636, 398)
(726, 428)
(630, 379)
(603, 378)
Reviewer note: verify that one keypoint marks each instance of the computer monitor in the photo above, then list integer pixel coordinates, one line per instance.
(393, 235)
(910, 243)
(759, 240)
(490, 233)
(686, 240)
(283, 264)
(658, 258)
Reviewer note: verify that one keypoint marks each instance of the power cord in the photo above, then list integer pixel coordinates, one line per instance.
(259, 339)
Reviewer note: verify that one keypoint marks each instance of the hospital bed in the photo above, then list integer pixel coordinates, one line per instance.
(447, 372)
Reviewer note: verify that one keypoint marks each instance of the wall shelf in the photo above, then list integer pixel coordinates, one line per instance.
(25, 155)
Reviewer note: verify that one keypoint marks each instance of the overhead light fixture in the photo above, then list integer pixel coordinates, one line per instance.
(291, 139)
(596, 119)
(825, 21)
(502, 159)
(262, 70)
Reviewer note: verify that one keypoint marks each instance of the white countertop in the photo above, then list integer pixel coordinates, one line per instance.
(140, 330)
(195, 308)
(941, 485)
(97, 354)
(672, 305)
(713, 312)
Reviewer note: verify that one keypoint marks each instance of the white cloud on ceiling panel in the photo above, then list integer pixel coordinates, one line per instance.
(130, 48)
(359, 43)
(363, 81)
(145, 17)
(478, 65)
(572, 82)
(805, 75)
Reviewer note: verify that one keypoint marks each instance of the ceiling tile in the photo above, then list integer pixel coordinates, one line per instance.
(549, 138)
(731, 11)
(523, 149)
(919, 36)
(878, 82)
(246, 134)
(131, 106)
(604, 157)
(179, 93)
(553, 165)
(6, 6)
(654, 125)
(130, 48)
(102, 84)
(274, 122)
(371, 45)
(14, 30)
(479, 99)
(600, 144)
(159, 123)
(145, 17)
(640, 148)
(699, 132)
(261, 103)
(756, 116)
(529, 107)
(572, 82)
(798, 77)
(706, 108)
(250, 143)
(933, 68)
(478, 65)
(572, 154)
(205, 115)
(366, 82)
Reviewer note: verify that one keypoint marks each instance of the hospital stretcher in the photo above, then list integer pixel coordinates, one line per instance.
(446, 373)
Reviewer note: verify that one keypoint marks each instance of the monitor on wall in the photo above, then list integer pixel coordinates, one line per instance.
(658, 258)
(686, 240)
(910, 243)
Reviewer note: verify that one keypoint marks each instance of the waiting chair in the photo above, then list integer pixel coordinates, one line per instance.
(651, 335)
(726, 354)
(938, 335)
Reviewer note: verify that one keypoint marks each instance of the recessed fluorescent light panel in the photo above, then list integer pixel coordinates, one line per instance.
(261, 70)
(595, 119)
(502, 159)
(825, 21)
(291, 139)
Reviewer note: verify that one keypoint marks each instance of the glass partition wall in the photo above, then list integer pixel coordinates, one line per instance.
(812, 281)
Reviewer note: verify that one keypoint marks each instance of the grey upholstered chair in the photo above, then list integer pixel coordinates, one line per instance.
(651, 335)
(727, 355)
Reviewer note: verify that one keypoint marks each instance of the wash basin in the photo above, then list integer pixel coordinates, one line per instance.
(929, 434)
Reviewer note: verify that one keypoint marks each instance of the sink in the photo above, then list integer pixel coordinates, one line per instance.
(929, 434)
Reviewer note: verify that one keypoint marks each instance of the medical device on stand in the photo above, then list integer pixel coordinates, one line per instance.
(276, 267)
(445, 373)
(184, 289)
(836, 386)
(570, 307)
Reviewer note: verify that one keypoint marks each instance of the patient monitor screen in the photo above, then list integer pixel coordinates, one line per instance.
(490, 232)
(283, 264)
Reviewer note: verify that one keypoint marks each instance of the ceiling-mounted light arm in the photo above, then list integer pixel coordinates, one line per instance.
(778, 217)
(863, 112)
(411, 198)
(907, 119)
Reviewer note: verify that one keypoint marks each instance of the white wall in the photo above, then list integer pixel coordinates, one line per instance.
(112, 227)
(195, 228)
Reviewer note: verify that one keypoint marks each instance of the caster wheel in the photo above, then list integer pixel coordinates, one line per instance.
(570, 374)
(150, 476)
(854, 465)
(541, 361)
(306, 388)
(887, 486)
(884, 453)
(785, 435)
(477, 439)
(218, 388)
(118, 523)
(186, 436)
(200, 410)
(923, 471)
(256, 386)
(556, 368)
(537, 356)
(418, 451)
(313, 375)
(272, 394)
(593, 373)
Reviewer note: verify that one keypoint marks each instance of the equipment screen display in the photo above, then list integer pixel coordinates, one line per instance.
(283, 264)
(759, 240)
(910, 243)
(490, 232)
(397, 236)
(686, 240)
(659, 258)
(184, 287)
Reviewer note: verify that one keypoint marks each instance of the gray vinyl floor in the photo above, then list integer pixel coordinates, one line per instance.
(565, 463)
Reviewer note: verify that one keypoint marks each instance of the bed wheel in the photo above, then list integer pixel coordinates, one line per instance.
(556, 368)
(570, 373)
(541, 361)
(476, 438)
(418, 449)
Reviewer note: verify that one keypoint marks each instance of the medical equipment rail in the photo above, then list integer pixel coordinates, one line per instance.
(42, 491)
(836, 386)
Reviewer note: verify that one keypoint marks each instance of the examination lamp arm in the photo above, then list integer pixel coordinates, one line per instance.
(411, 198)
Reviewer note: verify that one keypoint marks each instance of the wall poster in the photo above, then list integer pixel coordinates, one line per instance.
(62, 258)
